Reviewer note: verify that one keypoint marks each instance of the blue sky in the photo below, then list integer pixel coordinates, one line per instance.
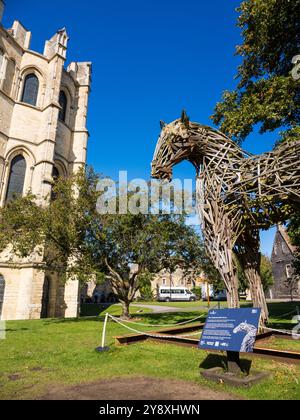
(151, 59)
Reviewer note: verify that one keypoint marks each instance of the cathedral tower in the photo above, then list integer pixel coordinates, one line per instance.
(43, 131)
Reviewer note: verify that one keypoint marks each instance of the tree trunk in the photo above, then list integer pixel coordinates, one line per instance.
(125, 310)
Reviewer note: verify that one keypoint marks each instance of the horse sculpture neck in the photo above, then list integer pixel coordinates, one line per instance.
(255, 179)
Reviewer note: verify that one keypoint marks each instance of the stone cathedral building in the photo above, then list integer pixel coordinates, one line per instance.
(43, 134)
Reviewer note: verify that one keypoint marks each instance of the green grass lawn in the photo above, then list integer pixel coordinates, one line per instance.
(281, 344)
(39, 354)
(198, 305)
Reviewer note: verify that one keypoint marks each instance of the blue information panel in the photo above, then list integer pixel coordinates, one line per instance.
(231, 330)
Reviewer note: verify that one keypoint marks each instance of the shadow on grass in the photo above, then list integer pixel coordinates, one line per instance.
(282, 314)
(170, 318)
(97, 313)
(215, 360)
(288, 326)
(283, 308)
(89, 309)
(16, 329)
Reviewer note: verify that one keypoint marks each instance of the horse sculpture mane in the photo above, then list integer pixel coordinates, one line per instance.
(238, 194)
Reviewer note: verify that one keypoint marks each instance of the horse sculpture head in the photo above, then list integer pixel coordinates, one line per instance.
(174, 146)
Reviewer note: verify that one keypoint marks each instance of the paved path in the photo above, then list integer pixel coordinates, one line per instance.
(159, 309)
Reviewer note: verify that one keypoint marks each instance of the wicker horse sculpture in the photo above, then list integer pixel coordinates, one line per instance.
(237, 195)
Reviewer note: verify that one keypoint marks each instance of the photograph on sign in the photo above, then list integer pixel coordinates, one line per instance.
(231, 330)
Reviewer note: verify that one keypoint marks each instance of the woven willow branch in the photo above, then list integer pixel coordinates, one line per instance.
(238, 194)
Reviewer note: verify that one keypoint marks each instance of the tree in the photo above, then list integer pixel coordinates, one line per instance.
(294, 232)
(71, 237)
(266, 273)
(212, 275)
(57, 230)
(135, 247)
(268, 92)
(267, 277)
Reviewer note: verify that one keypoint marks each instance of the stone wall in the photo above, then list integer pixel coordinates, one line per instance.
(36, 133)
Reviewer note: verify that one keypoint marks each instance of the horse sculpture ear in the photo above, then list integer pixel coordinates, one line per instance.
(162, 124)
(185, 119)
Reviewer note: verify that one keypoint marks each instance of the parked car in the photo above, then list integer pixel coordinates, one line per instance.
(220, 296)
(243, 295)
(176, 294)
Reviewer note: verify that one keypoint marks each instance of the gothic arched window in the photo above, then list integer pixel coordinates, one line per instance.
(63, 102)
(2, 291)
(30, 90)
(45, 298)
(16, 177)
(55, 173)
(55, 176)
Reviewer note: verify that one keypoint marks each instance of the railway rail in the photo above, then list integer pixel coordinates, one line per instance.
(168, 335)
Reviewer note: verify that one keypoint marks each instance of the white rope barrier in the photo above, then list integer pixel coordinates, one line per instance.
(165, 325)
(287, 332)
(150, 334)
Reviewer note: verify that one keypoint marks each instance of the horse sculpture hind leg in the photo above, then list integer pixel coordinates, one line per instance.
(248, 253)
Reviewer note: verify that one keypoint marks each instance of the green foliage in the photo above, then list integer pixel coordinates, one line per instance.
(243, 284)
(59, 230)
(132, 246)
(266, 94)
(198, 292)
(212, 275)
(294, 232)
(145, 286)
(69, 236)
(266, 272)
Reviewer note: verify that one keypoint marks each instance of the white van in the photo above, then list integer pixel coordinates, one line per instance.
(175, 294)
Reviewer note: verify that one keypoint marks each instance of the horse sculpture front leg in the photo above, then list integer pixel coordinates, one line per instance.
(230, 279)
(219, 247)
(223, 260)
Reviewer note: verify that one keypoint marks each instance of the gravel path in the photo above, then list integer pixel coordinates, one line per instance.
(157, 309)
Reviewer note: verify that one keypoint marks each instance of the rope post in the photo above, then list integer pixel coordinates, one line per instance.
(208, 295)
(103, 348)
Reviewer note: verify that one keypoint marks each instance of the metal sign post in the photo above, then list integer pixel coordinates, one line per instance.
(233, 362)
(233, 331)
